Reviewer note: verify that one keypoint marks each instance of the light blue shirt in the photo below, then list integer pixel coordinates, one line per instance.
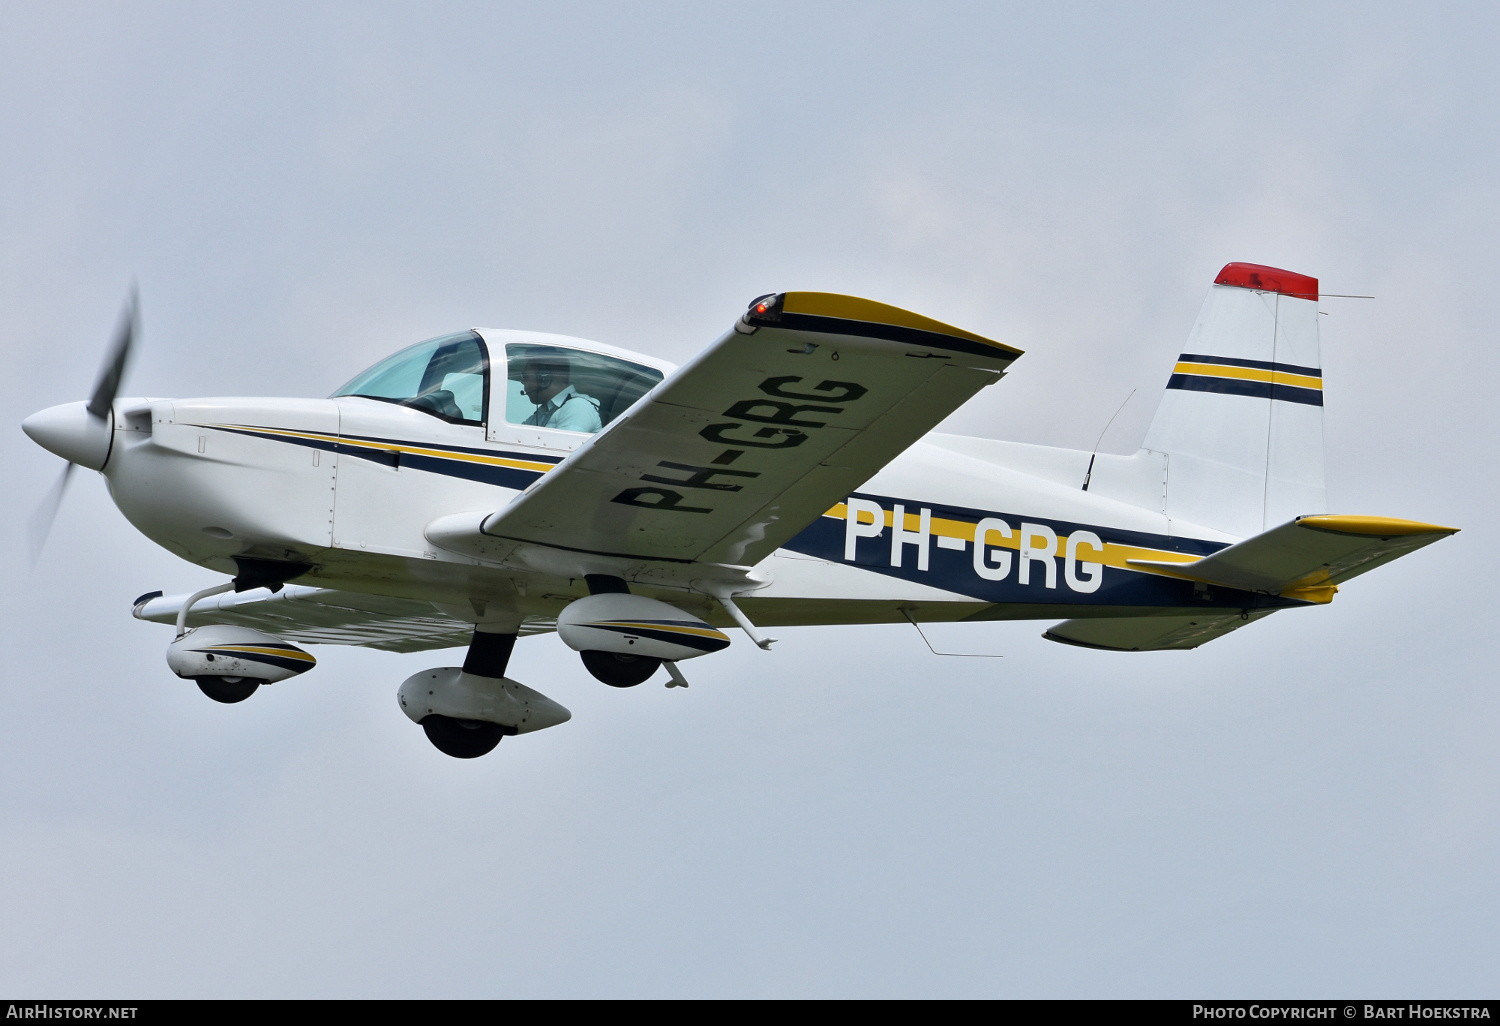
(568, 410)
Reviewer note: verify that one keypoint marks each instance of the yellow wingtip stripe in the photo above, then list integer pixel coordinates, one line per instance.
(1389, 526)
(853, 308)
(1321, 593)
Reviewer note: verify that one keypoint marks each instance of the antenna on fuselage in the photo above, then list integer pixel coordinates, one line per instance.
(1090, 472)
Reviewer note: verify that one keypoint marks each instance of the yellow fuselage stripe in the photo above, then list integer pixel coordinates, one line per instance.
(1114, 554)
(468, 457)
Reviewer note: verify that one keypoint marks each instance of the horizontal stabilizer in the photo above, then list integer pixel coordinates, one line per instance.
(1307, 554)
(1151, 633)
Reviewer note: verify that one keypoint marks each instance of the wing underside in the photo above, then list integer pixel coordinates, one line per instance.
(1151, 633)
(326, 616)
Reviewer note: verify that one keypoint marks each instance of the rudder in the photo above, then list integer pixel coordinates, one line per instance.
(1241, 420)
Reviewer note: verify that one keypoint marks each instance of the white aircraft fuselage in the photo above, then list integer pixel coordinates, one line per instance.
(511, 482)
(351, 485)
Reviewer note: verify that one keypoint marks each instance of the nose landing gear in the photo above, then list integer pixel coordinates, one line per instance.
(462, 739)
(466, 711)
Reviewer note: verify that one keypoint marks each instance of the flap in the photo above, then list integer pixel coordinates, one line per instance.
(1309, 553)
(803, 401)
(1151, 633)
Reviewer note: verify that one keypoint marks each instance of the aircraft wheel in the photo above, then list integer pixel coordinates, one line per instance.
(462, 739)
(619, 671)
(228, 689)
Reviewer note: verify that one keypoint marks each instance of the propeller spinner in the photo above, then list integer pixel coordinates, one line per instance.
(81, 432)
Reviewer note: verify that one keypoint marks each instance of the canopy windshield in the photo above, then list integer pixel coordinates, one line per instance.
(447, 377)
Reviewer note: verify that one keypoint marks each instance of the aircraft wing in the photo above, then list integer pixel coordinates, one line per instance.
(325, 616)
(803, 401)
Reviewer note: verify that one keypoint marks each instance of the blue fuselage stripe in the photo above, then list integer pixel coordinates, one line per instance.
(1252, 389)
(953, 569)
(948, 569)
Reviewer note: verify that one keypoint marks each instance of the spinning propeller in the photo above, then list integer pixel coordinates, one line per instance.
(81, 433)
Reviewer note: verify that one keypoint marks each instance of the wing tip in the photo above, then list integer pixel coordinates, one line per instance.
(853, 308)
(138, 607)
(1389, 527)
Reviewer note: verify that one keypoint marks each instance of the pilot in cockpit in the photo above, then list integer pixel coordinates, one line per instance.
(547, 382)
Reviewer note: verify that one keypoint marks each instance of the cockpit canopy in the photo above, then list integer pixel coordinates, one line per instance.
(579, 391)
(549, 386)
(447, 376)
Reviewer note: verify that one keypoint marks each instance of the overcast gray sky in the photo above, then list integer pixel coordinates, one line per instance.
(1309, 807)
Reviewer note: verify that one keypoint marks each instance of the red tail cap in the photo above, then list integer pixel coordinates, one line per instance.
(1268, 279)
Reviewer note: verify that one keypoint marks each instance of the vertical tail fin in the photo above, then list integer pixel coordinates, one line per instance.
(1241, 421)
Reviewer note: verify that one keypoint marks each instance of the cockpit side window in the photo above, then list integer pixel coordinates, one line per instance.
(447, 377)
(569, 389)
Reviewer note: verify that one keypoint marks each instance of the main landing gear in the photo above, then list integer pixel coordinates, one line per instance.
(617, 669)
(623, 639)
(229, 663)
(228, 689)
(465, 711)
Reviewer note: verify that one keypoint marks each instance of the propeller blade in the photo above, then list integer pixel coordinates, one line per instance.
(113, 370)
(42, 517)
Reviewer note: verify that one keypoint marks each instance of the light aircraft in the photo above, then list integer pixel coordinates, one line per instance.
(488, 484)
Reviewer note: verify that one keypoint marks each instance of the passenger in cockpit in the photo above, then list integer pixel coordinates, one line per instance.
(547, 382)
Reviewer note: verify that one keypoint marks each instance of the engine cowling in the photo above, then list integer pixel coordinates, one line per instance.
(449, 691)
(224, 650)
(633, 625)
